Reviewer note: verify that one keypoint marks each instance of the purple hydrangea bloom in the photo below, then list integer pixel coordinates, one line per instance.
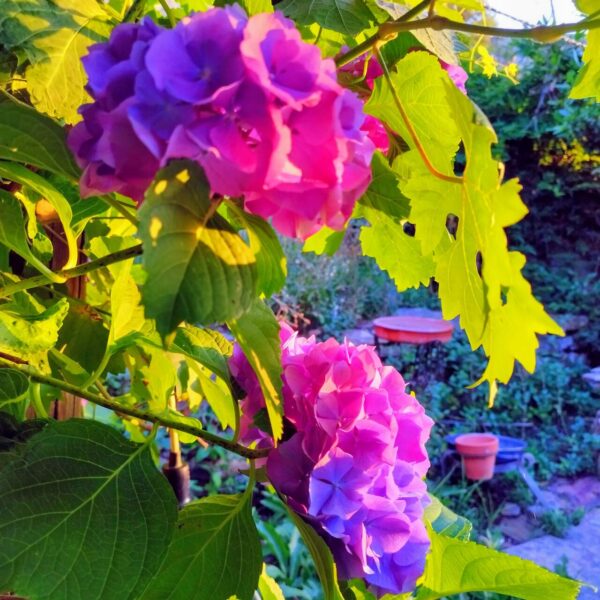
(257, 107)
(355, 461)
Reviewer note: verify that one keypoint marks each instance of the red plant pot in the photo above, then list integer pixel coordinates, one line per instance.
(478, 452)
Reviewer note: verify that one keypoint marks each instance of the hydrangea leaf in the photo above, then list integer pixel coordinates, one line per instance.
(53, 35)
(268, 588)
(479, 280)
(321, 555)
(587, 84)
(455, 566)
(206, 346)
(270, 260)
(14, 387)
(12, 231)
(384, 239)
(344, 16)
(30, 336)
(28, 137)
(21, 174)
(215, 552)
(199, 269)
(257, 333)
(446, 522)
(56, 496)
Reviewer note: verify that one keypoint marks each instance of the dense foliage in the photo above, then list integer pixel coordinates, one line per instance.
(151, 251)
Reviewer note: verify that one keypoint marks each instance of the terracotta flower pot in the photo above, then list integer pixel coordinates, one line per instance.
(478, 451)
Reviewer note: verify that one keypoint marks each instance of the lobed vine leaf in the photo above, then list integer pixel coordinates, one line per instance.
(215, 552)
(257, 333)
(31, 138)
(85, 515)
(199, 269)
(455, 566)
(384, 238)
(53, 35)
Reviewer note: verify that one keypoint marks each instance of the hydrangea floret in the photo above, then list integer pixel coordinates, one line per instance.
(353, 461)
(257, 107)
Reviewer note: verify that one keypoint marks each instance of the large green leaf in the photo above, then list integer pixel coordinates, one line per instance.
(30, 336)
(346, 16)
(28, 137)
(20, 174)
(257, 333)
(85, 515)
(13, 392)
(215, 552)
(384, 239)
(199, 269)
(54, 35)
(455, 566)
(326, 569)
(270, 260)
(446, 522)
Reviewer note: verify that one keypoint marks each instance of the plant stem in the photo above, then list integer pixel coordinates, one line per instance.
(137, 413)
(367, 45)
(409, 126)
(120, 208)
(93, 265)
(36, 402)
(169, 12)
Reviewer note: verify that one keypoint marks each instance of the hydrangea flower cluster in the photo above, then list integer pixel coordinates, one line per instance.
(353, 459)
(257, 107)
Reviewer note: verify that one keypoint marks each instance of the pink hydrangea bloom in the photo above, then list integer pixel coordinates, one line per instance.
(260, 109)
(354, 457)
(458, 75)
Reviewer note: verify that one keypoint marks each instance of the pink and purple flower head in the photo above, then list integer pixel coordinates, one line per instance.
(260, 109)
(354, 458)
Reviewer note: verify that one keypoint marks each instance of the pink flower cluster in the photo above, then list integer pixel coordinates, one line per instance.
(260, 109)
(353, 459)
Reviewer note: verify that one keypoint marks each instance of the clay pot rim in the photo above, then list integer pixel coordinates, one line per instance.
(477, 444)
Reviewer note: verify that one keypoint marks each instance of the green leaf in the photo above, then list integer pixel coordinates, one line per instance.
(446, 522)
(54, 35)
(268, 588)
(206, 346)
(85, 515)
(22, 175)
(215, 552)
(455, 567)
(12, 231)
(252, 7)
(257, 333)
(14, 387)
(28, 137)
(199, 269)
(384, 239)
(345, 16)
(326, 569)
(29, 337)
(587, 84)
(270, 260)
(325, 241)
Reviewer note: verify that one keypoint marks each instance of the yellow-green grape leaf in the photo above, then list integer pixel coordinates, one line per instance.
(587, 84)
(215, 552)
(54, 35)
(30, 336)
(257, 333)
(455, 566)
(446, 522)
(384, 239)
(199, 270)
